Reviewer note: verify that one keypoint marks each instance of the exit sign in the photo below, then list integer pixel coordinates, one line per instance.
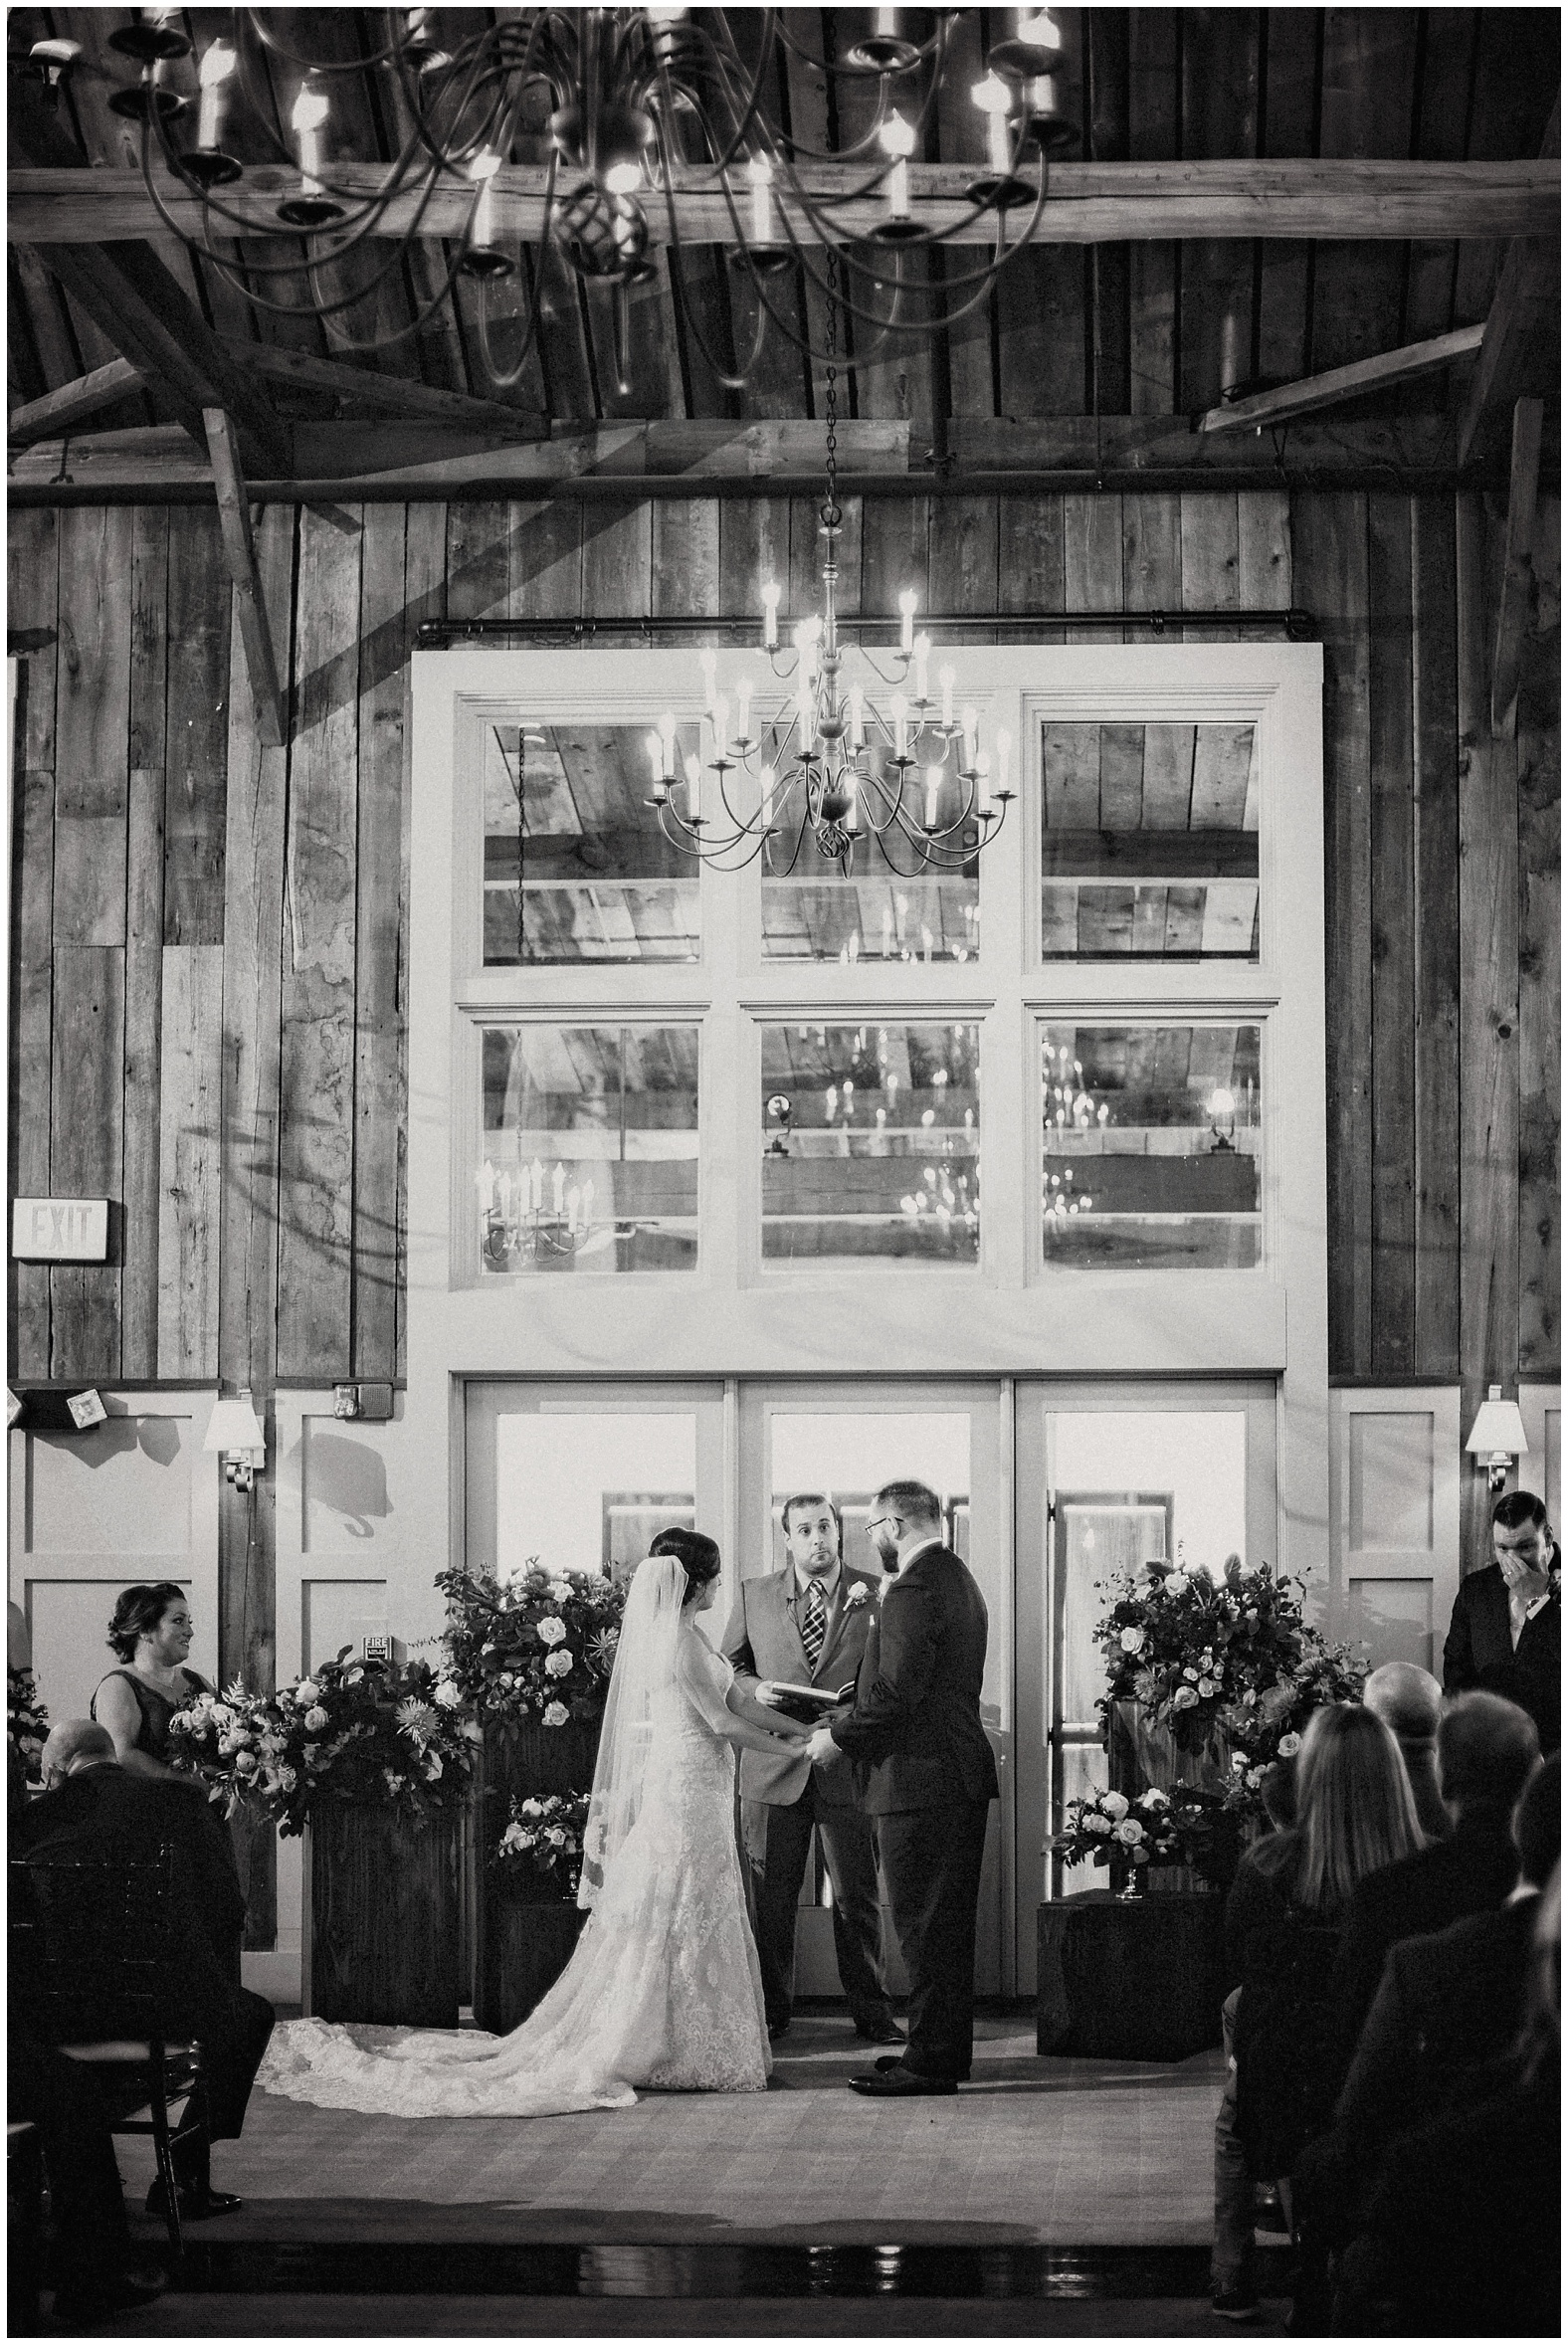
(60, 1229)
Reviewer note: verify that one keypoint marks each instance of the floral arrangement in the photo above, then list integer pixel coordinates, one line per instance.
(1183, 1826)
(541, 1646)
(373, 1732)
(545, 1835)
(27, 1722)
(1220, 1659)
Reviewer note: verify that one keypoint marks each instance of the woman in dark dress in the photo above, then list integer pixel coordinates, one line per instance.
(152, 1634)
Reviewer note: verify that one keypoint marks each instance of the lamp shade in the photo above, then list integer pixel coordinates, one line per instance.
(233, 1426)
(1497, 1427)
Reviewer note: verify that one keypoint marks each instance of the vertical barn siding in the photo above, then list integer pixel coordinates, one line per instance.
(200, 920)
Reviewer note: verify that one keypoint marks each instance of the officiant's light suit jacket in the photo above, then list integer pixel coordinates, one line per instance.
(762, 1641)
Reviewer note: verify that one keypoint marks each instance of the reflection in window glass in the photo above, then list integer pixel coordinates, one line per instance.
(576, 866)
(871, 1143)
(589, 1157)
(1149, 843)
(1152, 1147)
(590, 1492)
(818, 912)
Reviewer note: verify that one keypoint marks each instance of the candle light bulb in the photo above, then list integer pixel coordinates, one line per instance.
(983, 769)
(922, 656)
(311, 109)
(483, 171)
(707, 661)
(948, 679)
(743, 704)
(693, 775)
(558, 1188)
(971, 727)
(994, 100)
(667, 740)
(906, 603)
(934, 782)
(770, 617)
(721, 725)
(655, 753)
(760, 173)
(216, 66)
(897, 140)
(901, 725)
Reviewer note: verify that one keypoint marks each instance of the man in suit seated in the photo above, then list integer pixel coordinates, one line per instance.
(1409, 1700)
(1486, 1753)
(806, 1626)
(1505, 1635)
(92, 1810)
(1448, 2004)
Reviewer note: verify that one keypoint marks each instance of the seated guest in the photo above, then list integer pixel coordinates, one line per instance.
(93, 1809)
(1486, 1753)
(1354, 1813)
(1505, 1636)
(152, 1634)
(1409, 1701)
(1460, 2234)
(1448, 2004)
(99, 2275)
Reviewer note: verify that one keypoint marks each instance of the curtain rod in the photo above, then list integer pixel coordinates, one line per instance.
(438, 635)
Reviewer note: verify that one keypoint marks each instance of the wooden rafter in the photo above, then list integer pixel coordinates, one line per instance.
(1514, 606)
(1087, 203)
(1342, 382)
(390, 394)
(1518, 352)
(239, 551)
(58, 410)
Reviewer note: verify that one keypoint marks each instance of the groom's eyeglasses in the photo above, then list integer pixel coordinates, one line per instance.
(877, 1521)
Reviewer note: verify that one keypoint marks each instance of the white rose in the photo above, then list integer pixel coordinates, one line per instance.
(1154, 1799)
(245, 1763)
(1096, 1824)
(315, 1721)
(551, 1631)
(1114, 1805)
(221, 1715)
(1289, 1744)
(555, 1837)
(1132, 1640)
(1186, 1697)
(447, 1696)
(352, 1677)
(307, 1692)
(1177, 1584)
(286, 1778)
(228, 1744)
(558, 1665)
(1191, 1676)
(1131, 1831)
(1207, 1688)
(556, 1714)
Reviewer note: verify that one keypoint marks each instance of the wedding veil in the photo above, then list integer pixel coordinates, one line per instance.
(644, 1664)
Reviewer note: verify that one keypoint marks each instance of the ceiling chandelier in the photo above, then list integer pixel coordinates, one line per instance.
(630, 111)
(914, 780)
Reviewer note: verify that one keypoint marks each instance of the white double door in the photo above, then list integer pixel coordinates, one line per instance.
(1047, 1487)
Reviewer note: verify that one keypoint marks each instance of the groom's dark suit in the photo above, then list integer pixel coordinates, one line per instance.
(929, 1778)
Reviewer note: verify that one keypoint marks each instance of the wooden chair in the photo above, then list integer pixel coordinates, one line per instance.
(94, 1953)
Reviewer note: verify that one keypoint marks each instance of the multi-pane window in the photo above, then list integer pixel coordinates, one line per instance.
(576, 866)
(1153, 1138)
(871, 1143)
(1150, 842)
(589, 1148)
(813, 910)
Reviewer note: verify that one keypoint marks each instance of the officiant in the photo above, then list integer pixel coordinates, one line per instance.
(805, 1625)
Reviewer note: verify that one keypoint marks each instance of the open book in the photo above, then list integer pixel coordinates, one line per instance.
(811, 1702)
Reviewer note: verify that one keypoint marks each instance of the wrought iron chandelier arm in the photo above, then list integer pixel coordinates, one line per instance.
(868, 72)
(751, 90)
(507, 380)
(731, 381)
(254, 17)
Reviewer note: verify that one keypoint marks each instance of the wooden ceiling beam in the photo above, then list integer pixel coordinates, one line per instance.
(1519, 353)
(1087, 203)
(59, 411)
(1513, 609)
(239, 552)
(1339, 383)
(389, 394)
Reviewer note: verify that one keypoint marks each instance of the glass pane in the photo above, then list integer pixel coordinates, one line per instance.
(564, 808)
(587, 1494)
(1081, 1769)
(1152, 1147)
(1149, 844)
(818, 911)
(589, 1153)
(870, 1143)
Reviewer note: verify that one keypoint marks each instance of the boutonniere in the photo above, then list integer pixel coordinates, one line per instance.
(858, 1594)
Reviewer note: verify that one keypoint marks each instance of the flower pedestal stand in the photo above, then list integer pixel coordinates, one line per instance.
(1133, 1979)
(524, 1944)
(382, 1926)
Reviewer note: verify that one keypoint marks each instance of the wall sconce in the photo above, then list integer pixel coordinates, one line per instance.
(1221, 1119)
(1497, 1435)
(235, 1435)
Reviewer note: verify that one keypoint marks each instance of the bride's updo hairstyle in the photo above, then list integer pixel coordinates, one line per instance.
(696, 1551)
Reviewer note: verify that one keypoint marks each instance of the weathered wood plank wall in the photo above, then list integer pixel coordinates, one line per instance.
(209, 948)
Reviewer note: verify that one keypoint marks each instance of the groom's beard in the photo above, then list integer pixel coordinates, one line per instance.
(888, 1556)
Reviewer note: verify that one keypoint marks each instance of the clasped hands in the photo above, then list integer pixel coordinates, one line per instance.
(820, 1745)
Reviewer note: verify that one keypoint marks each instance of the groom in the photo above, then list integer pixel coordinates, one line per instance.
(929, 1779)
(807, 1626)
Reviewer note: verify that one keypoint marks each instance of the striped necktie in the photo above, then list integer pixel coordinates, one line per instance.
(814, 1625)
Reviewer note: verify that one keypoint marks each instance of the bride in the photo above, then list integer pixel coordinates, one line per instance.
(664, 1989)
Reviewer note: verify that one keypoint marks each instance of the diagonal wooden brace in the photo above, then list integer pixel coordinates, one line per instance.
(239, 546)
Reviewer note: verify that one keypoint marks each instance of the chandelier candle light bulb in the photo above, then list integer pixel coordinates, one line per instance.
(482, 172)
(770, 617)
(906, 603)
(1004, 753)
(897, 140)
(933, 783)
(994, 99)
(760, 173)
(901, 728)
(971, 736)
(311, 109)
(922, 657)
(693, 775)
(216, 68)
(667, 742)
(743, 704)
(721, 727)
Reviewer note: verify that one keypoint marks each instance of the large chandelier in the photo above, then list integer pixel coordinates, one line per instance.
(630, 110)
(914, 778)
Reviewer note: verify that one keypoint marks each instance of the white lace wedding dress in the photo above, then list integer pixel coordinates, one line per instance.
(664, 1989)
